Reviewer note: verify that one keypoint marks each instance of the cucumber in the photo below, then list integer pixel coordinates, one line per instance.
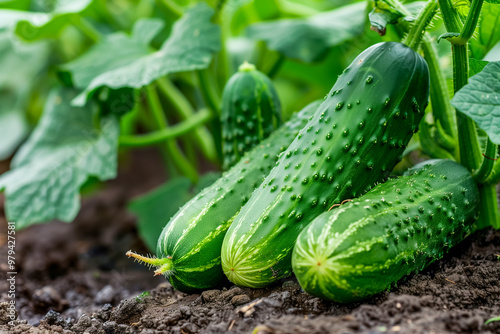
(353, 141)
(189, 246)
(251, 111)
(397, 228)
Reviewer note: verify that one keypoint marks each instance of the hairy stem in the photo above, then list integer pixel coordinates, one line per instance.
(164, 266)
(417, 31)
(470, 153)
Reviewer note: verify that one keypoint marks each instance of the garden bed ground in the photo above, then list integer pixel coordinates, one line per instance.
(75, 278)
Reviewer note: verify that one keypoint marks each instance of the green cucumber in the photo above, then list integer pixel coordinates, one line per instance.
(251, 111)
(189, 247)
(397, 228)
(353, 141)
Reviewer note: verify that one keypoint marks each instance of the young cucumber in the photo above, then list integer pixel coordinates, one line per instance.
(353, 141)
(190, 244)
(397, 228)
(251, 111)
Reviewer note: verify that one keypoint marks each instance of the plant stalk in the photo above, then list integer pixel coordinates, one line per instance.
(417, 30)
(171, 132)
(470, 153)
(489, 215)
(209, 92)
(494, 177)
(201, 135)
(489, 158)
(170, 144)
(440, 99)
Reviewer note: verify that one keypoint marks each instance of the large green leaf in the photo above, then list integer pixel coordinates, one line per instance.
(193, 41)
(488, 31)
(476, 66)
(114, 51)
(309, 39)
(480, 100)
(62, 152)
(32, 26)
(20, 64)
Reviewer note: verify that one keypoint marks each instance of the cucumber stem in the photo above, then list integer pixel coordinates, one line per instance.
(488, 161)
(440, 99)
(450, 17)
(164, 266)
(494, 177)
(470, 153)
(428, 145)
(417, 31)
(443, 138)
(442, 109)
(471, 21)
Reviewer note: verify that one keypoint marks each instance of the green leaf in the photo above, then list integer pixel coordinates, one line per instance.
(13, 129)
(492, 1)
(191, 45)
(62, 152)
(155, 208)
(20, 64)
(488, 31)
(32, 26)
(115, 51)
(309, 39)
(480, 100)
(476, 66)
(384, 14)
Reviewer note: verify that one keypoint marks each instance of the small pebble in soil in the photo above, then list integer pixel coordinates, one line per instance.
(105, 295)
(240, 300)
(210, 295)
(48, 297)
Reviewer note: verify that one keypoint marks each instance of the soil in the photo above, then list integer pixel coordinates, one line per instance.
(75, 278)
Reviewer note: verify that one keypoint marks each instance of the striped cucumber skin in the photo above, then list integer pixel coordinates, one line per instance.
(397, 228)
(251, 111)
(353, 141)
(191, 242)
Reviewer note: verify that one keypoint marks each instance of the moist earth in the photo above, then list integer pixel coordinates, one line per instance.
(75, 278)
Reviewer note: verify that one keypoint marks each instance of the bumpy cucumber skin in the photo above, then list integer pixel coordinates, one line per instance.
(397, 228)
(354, 140)
(193, 237)
(251, 111)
